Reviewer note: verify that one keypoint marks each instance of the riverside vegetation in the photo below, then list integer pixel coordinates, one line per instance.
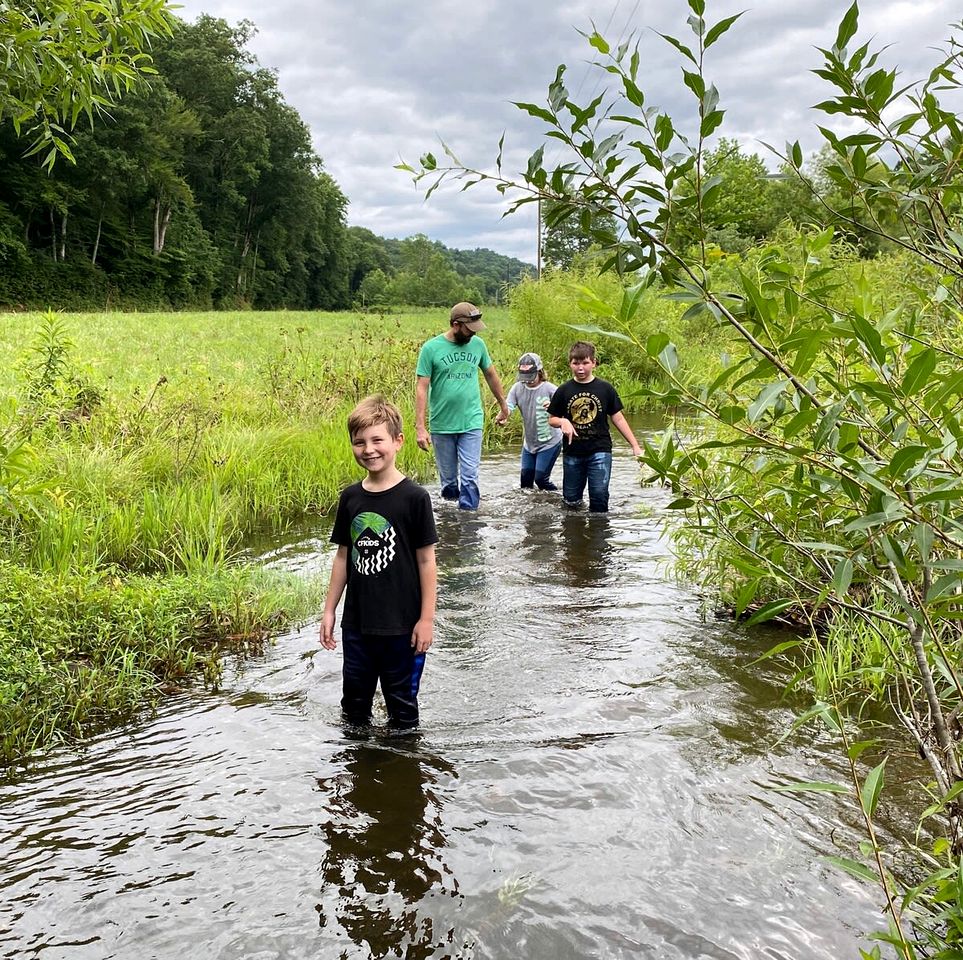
(138, 455)
(825, 479)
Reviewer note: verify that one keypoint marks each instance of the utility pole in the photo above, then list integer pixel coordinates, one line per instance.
(538, 238)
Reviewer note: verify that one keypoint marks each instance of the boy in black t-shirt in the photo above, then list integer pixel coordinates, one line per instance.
(582, 408)
(385, 566)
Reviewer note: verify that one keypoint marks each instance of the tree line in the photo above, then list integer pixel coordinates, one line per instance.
(202, 189)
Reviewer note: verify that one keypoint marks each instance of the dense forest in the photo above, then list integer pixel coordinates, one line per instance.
(204, 190)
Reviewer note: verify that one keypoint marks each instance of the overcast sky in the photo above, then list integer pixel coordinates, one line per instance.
(378, 80)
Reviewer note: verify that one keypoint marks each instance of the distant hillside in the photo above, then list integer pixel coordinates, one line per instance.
(420, 271)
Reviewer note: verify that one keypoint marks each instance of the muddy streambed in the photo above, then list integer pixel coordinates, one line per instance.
(592, 780)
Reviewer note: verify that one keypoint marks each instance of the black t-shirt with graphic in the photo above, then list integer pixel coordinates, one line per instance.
(382, 531)
(588, 406)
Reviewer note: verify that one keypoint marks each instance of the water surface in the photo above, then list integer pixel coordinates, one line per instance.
(592, 780)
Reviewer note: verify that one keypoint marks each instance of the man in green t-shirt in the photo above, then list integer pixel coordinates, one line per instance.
(447, 373)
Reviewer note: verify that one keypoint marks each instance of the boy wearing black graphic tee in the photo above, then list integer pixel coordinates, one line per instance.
(385, 566)
(582, 408)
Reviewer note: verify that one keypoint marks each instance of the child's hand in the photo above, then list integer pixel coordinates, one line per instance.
(327, 631)
(423, 636)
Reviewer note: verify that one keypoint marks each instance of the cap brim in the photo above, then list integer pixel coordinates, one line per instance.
(473, 325)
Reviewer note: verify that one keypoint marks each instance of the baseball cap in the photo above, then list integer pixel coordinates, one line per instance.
(529, 365)
(469, 315)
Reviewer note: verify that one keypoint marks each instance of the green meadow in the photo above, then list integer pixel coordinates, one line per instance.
(141, 452)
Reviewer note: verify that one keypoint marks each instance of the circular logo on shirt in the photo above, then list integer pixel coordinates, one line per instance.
(584, 409)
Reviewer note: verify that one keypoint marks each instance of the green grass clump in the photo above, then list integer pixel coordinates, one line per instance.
(80, 651)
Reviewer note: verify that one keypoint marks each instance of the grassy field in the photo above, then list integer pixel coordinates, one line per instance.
(140, 452)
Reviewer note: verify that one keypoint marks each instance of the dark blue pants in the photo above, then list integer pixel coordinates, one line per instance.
(596, 470)
(537, 467)
(392, 660)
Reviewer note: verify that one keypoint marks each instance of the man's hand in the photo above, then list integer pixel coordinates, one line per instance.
(423, 438)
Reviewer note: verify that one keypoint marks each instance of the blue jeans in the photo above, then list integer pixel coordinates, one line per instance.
(596, 470)
(457, 456)
(537, 467)
(393, 661)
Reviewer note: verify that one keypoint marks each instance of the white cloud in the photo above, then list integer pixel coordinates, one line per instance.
(376, 80)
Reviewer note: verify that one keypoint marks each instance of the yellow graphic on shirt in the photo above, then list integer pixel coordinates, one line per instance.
(583, 409)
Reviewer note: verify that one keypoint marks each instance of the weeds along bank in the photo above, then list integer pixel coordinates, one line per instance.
(139, 451)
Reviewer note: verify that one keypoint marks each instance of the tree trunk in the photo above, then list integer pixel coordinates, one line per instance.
(246, 245)
(257, 242)
(100, 224)
(162, 219)
(53, 235)
(63, 237)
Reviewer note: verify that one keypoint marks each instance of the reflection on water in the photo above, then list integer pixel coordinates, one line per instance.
(384, 841)
(591, 780)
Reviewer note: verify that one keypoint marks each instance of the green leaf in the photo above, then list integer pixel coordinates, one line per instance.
(847, 27)
(919, 372)
(719, 29)
(872, 787)
(854, 868)
(776, 650)
(599, 42)
(656, 343)
(536, 111)
(842, 576)
(869, 336)
(669, 358)
(681, 47)
(903, 459)
(710, 122)
(586, 328)
(770, 610)
(856, 750)
(730, 414)
(767, 397)
(866, 523)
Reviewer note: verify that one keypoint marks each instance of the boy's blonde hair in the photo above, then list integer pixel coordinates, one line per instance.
(372, 411)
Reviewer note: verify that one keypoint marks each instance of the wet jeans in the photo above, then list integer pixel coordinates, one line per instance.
(596, 470)
(537, 467)
(457, 456)
(393, 661)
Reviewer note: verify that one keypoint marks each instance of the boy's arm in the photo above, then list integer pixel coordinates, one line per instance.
(495, 385)
(421, 411)
(423, 634)
(622, 425)
(339, 579)
(566, 426)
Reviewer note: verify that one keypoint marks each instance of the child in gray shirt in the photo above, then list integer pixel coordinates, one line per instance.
(531, 394)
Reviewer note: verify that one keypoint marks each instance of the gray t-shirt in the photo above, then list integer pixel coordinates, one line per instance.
(533, 403)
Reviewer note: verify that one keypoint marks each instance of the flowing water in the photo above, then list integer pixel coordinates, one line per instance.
(592, 780)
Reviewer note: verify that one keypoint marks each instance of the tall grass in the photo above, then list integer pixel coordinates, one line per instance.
(158, 444)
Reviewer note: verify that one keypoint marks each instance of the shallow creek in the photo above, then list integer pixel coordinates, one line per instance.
(592, 780)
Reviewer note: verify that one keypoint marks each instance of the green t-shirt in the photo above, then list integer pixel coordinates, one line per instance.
(454, 397)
